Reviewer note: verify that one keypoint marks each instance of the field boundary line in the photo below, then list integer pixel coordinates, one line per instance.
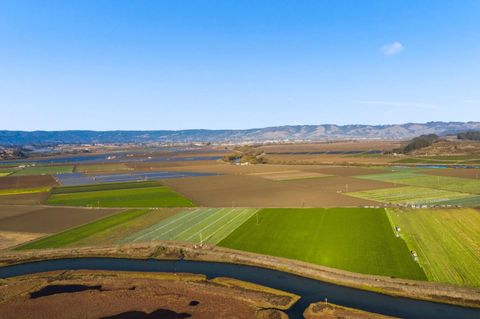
(199, 216)
(224, 225)
(228, 213)
(172, 221)
(214, 221)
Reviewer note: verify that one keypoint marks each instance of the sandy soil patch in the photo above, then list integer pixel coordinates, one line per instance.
(10, 239)
(52, 219)
(100, 294)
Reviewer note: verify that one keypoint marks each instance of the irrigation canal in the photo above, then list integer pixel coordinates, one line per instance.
(310, 290)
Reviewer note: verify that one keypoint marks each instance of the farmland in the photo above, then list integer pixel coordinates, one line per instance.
(207, 225)
(128, 195)
(15, 182)
(274, 209)
(73, 179)
(253, 191)
(288, 175)
(76, 234)
(19, 223)
(17, 191)
(25, 199)
(454, 184)
(449, 159)
(455, 172)
(60, 219)
(412, 195)
(359, 240)
(115, 234)
(96, 168)
(447, 242)
(6, 171)
(44, 170)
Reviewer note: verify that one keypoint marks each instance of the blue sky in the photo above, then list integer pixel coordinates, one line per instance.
(124, 64)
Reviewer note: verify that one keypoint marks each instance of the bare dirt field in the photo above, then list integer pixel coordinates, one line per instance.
(230, 169)
(156, 166)
(252, 191)
(340, 184)
(52, 219)
(14, 210)
(289, 175)
(24, 199)
(452, 172)
(101, 294)
(10, 239)
(13, 182)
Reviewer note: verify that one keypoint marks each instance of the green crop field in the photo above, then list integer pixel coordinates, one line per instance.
(411, 195)
(44, 170)
(355, 239)
(6, 171)
(473, 201)
(208, 225)
(114, 234)
(140, 195)
(455, 184)
(447, 242)
(75, 234)
(447, 159)
(24, 191)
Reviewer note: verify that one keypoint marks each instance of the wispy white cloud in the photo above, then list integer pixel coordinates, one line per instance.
(392, 48)
(399, 104)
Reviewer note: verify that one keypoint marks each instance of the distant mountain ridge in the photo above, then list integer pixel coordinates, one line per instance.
(277, 133)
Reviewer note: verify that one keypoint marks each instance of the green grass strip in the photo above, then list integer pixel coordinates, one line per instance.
(44, 170)
(75, 234)
(24, 191)
(159, 196)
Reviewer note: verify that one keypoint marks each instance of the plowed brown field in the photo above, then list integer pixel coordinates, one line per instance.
(252, 191)
(12, 182)
(52, 219)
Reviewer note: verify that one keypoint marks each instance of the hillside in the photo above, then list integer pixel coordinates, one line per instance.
(277, 133)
